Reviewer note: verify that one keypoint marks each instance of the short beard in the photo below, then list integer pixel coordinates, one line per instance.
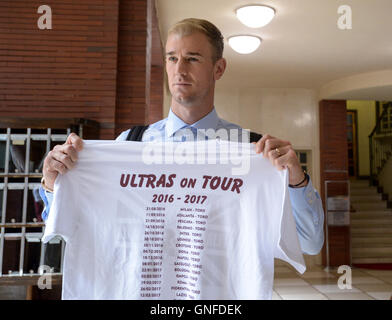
(191, 100)
(186, 102)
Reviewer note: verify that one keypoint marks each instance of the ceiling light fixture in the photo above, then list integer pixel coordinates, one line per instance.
(244, 44)
(255, 16)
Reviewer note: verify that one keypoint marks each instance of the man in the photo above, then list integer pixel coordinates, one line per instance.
(194, 62)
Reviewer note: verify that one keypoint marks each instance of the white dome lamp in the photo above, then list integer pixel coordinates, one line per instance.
(255, 16)
(244, 44)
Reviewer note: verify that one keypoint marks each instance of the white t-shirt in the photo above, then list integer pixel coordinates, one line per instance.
(140, 223)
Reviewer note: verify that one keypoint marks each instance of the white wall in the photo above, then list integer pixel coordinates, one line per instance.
(290, 114)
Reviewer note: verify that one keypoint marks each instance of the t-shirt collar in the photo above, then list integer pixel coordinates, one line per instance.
(174, 123)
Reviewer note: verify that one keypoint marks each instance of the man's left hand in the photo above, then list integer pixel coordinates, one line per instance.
(282, 156)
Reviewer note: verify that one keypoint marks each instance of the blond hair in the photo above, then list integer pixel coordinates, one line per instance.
(189, 26)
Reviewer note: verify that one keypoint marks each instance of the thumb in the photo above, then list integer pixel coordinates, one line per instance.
(75, 140)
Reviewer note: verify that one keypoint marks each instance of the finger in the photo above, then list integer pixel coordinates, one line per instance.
(75, 140)
(274, 154)
(261, 143)
(272, 144)
(56, 166)
(62, 158)
(71, 152)
(67, 149)
(285, 160)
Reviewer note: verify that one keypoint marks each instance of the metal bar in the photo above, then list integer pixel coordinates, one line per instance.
(62, 255)
(20, 175)
(37, 137)
(20, 225)
(19, 185)
(18, 235)
(4, 204)
(25, 194)
(43, 246)
(80, 133)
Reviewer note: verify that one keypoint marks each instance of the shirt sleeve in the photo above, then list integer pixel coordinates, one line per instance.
(47, 198)
(309, 218)
(286, 244)
(63, 216)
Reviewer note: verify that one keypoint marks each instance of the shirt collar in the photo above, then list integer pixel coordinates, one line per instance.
(174, 123)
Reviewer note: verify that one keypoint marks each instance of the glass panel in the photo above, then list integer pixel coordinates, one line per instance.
(32, 254)
(34, 207)
(17, 156)
(53, 254)
(349, 136)
(3, 145)
(37, 155)
(1, 203)
(349, 119)
(14, 209)
(11, 256)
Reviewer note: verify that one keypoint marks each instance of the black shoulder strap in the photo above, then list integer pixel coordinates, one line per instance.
(136, 133)
(254, 137)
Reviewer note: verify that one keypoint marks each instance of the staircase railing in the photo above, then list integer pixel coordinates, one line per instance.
(380, 142)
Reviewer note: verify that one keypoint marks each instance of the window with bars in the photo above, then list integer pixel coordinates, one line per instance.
(23, 147)
(21, 249)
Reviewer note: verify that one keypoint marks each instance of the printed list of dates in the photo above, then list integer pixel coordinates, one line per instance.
(190, 227)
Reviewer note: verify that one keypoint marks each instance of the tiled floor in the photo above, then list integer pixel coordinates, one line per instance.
(318, 284)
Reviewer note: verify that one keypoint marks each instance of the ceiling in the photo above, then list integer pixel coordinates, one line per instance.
(302, 47)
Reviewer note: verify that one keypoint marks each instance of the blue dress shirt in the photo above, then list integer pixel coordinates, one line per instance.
(306, 203)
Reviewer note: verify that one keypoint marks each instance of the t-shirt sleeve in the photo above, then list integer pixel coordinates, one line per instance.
(287, 246)
(63, 214)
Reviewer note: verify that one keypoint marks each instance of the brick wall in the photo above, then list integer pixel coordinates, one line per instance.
(92, 64)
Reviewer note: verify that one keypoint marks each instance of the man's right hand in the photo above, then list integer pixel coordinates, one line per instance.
(62, 158)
